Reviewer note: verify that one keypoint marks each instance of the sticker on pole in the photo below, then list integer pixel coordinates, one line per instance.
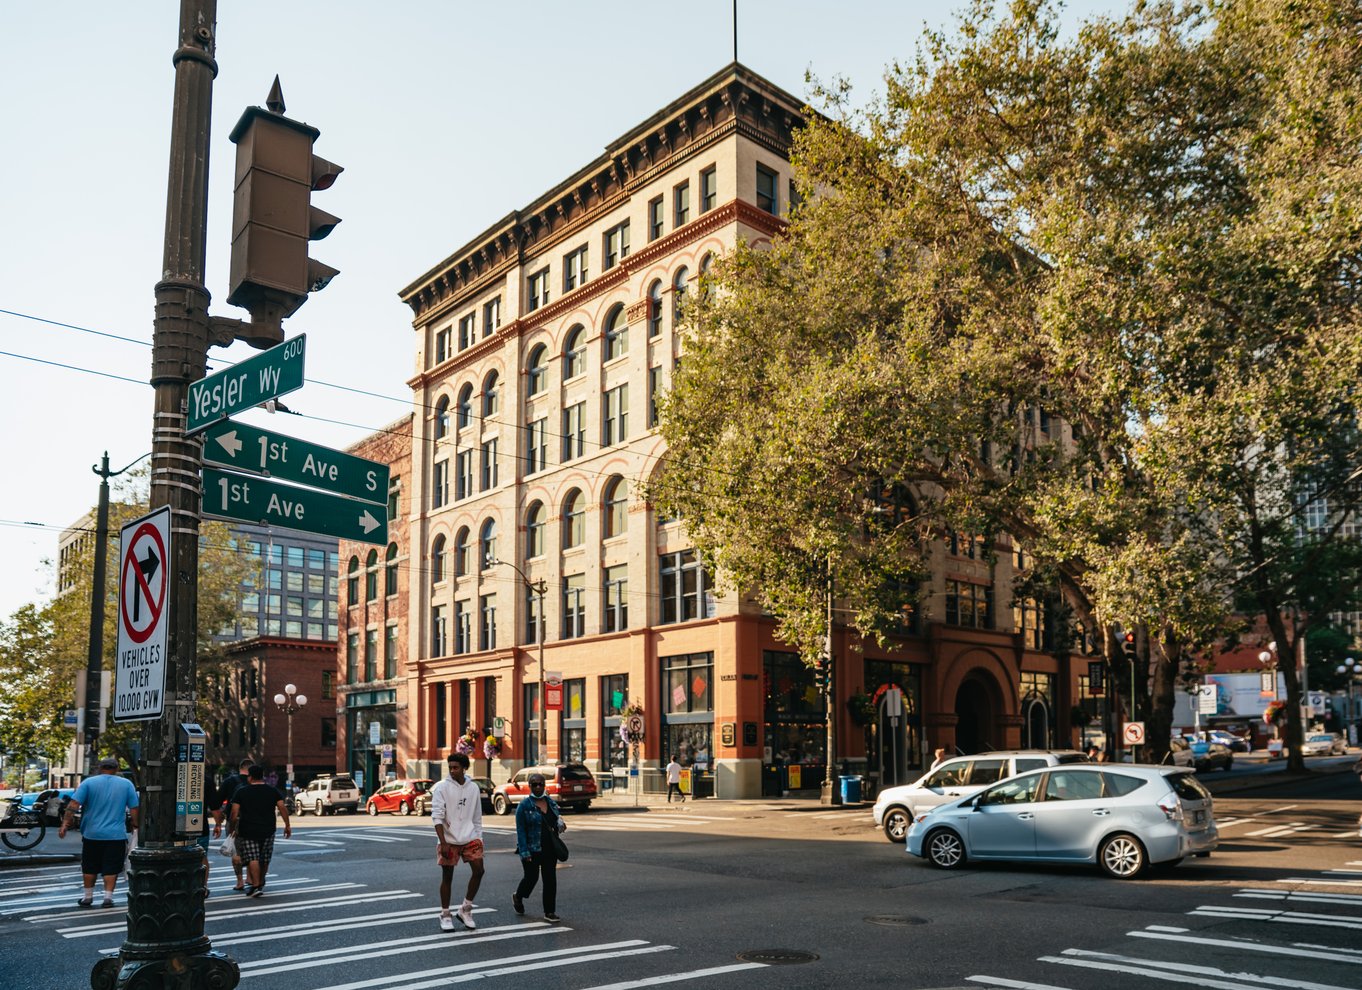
(1133, 733)
(143, 593)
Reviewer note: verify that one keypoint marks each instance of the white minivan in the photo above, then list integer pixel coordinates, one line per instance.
(897, 807)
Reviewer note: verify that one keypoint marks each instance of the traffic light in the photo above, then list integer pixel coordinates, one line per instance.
(272, 215)
(1128, 647)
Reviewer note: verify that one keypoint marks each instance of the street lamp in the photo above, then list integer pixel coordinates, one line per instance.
(1350, 668)
(290, 703)
(540, 588)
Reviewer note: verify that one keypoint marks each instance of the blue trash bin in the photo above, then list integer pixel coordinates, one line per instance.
(851, 789)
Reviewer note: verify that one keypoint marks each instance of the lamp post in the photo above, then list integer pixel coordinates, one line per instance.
(290, 703)
(1350, 668)
(828, 793)
(540, 589)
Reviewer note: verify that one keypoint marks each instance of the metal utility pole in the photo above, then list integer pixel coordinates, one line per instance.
(166, 946)
(828, 794)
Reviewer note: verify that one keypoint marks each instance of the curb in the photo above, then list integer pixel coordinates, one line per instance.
(1258, 782)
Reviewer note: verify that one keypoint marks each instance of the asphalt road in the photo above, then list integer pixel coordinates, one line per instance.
(660, 895)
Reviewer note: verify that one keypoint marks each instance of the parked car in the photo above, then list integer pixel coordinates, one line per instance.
(326, 795)
(897, 807)
(485, 786)
(1180, 752)
(571, 785)
(1122, 818)
(1324, 744)
(1235, 744)
(398, 796)
(51, 801)
(1211, 756)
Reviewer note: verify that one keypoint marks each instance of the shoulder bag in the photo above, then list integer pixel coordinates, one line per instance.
(556, 844)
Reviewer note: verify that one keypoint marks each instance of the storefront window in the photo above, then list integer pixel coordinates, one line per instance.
(686, 681)
(574, 721)
(795, 752)
(614, 698)
(531, 738)
(893, 748)
(1039, 726)
(688, 716)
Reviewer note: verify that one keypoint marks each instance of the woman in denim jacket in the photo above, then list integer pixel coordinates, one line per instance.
(535, 818)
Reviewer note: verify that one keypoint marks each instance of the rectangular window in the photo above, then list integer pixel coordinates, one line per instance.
(295, 606)
(463, 474)
(616, 604)
(463, 628)
(487, 626)
(766, 190)
(531, 724)
(439, 631)
(274, 604)
(489, 464)
(654, 387)
(316, 559)
(539, 289)
(316, 585)
(616, 245)
(370, 654)
(537, 446)
(709, 189)
(491, 316)
(439, 484)
(328, 733)
(969, 604)
(532, 617)
(574, 431)
(441, 715)
(681, 205)
(328, 685)
(687, 682)
(390, 652)
(655, 218)
(574, 269)
(574, 606)
(795, 199)
(293, 580)
(615, 422)
(685, 587)
(352, 658)
(614, 697)
(295, 556)
(467, 331)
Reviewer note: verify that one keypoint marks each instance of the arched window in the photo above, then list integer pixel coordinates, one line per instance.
(537, 371)
(487, 542)
(465, 406)
(616, 334)
(655, 308)
(461, 559)
(679, 291)
(616, 516)
(390, 571)
(352, 583)
(371, 576)
(574, 353)
(491, 398)
(534, 530)
(574, 519)
(706, 263)
(437, 560)
(442, 417)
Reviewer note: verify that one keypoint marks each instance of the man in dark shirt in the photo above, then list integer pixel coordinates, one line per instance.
(253, 810)
(229, 787)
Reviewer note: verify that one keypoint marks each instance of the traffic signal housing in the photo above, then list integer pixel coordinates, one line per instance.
(273, 218)
(1128, 647)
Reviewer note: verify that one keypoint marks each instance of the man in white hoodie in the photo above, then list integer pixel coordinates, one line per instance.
(456, 810)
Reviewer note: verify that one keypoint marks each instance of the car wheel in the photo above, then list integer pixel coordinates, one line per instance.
(373, 810)
(500, 805)
(408, 808)
(1121, 856)
(896, 822)
(945, 849)
(298, 809)
(318, 808)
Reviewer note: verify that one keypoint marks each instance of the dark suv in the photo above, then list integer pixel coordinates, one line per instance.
(571, 785)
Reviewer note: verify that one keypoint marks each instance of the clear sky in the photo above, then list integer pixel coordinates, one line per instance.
(446, 115)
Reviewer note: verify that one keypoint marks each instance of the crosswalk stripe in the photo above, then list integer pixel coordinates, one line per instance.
(694, 974)
(1321, 882)
(1274, 829)
(1321, 897)
(1282, 917)
(1178, 972)
(340, 924)
(1248, 945)
(998, 981)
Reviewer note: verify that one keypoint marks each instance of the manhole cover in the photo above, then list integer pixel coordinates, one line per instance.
(895, 920)
(778, 957)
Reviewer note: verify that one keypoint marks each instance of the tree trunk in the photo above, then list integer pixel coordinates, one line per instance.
(1165, 660)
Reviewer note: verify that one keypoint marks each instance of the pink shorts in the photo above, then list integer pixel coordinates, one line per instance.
(468, 852)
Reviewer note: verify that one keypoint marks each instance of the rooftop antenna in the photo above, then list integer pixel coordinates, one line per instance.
(735, 30)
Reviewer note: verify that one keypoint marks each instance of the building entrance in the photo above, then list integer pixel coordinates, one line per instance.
(974, 708)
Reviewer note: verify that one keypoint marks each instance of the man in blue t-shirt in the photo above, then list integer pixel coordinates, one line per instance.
(105, 798)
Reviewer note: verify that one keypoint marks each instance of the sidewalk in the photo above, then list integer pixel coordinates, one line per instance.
(1273, 774)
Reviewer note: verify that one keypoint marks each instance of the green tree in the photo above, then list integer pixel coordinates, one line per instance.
(35, 688)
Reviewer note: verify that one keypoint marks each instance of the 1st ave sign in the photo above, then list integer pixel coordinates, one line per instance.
(247, 448)
(256, 500)
(268, 375)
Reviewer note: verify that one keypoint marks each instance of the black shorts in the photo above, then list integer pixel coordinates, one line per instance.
(103, 856)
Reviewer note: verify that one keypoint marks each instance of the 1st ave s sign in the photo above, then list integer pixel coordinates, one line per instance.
(256, 500)
(143, 594)
(247, 448)
(268, 375)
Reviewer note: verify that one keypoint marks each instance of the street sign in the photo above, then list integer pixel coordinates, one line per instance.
(1133, 733)
(255, 500)
(248, 448)
(1096, 687)
(553, 691)
(1267, 684)
(143, 592)
(373, 733)
(258, 379)
(1315, 702)
(1206, 701)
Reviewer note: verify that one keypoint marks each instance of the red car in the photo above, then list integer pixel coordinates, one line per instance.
(572, 786)
(398, 796)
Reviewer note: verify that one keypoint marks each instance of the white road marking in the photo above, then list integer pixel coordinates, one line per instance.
(1283, 917)
(1161, 928)
(1179, 972)
(1249, 945)
(1322, 883)
(1321, 897)
(998, 981)
(694, 974)
(1275, 829)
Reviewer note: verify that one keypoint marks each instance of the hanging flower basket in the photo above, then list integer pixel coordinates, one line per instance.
(491, 748)
(1275, 713)
(467, 744)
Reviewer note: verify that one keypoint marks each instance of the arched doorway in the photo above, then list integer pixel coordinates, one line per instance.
(974, 707)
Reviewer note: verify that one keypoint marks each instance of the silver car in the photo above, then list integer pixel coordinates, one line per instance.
(1121, 818)
(1324, 744)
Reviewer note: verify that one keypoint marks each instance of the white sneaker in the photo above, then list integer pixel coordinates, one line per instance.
(466, 916)
(446, 923)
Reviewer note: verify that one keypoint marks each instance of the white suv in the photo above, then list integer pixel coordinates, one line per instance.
(897, 807)
(326, 795)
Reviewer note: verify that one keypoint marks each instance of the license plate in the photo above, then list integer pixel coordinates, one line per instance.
(577, 788)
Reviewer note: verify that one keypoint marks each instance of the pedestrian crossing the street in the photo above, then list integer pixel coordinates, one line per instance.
(1250, 947)
(389, 937)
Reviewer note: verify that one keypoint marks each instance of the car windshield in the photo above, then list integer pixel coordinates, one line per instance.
(342, 783)
(574, 773)
(1321, 739)
(1072, 758)
(420, 786)
(1188, 787)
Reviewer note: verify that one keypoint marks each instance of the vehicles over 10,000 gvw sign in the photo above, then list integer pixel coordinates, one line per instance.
(143, 596)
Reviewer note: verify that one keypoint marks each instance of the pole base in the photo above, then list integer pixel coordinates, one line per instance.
(206, 971)
(828, 793)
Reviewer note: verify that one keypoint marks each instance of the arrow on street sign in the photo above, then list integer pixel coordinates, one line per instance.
(248, 448)
(244, 498)
(258, 379)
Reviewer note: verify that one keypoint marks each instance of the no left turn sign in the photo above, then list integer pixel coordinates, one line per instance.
(1133, 733)
(143, 592)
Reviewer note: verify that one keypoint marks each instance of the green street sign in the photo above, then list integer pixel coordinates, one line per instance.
(247, 448)
(258, 379)
(255, 500)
